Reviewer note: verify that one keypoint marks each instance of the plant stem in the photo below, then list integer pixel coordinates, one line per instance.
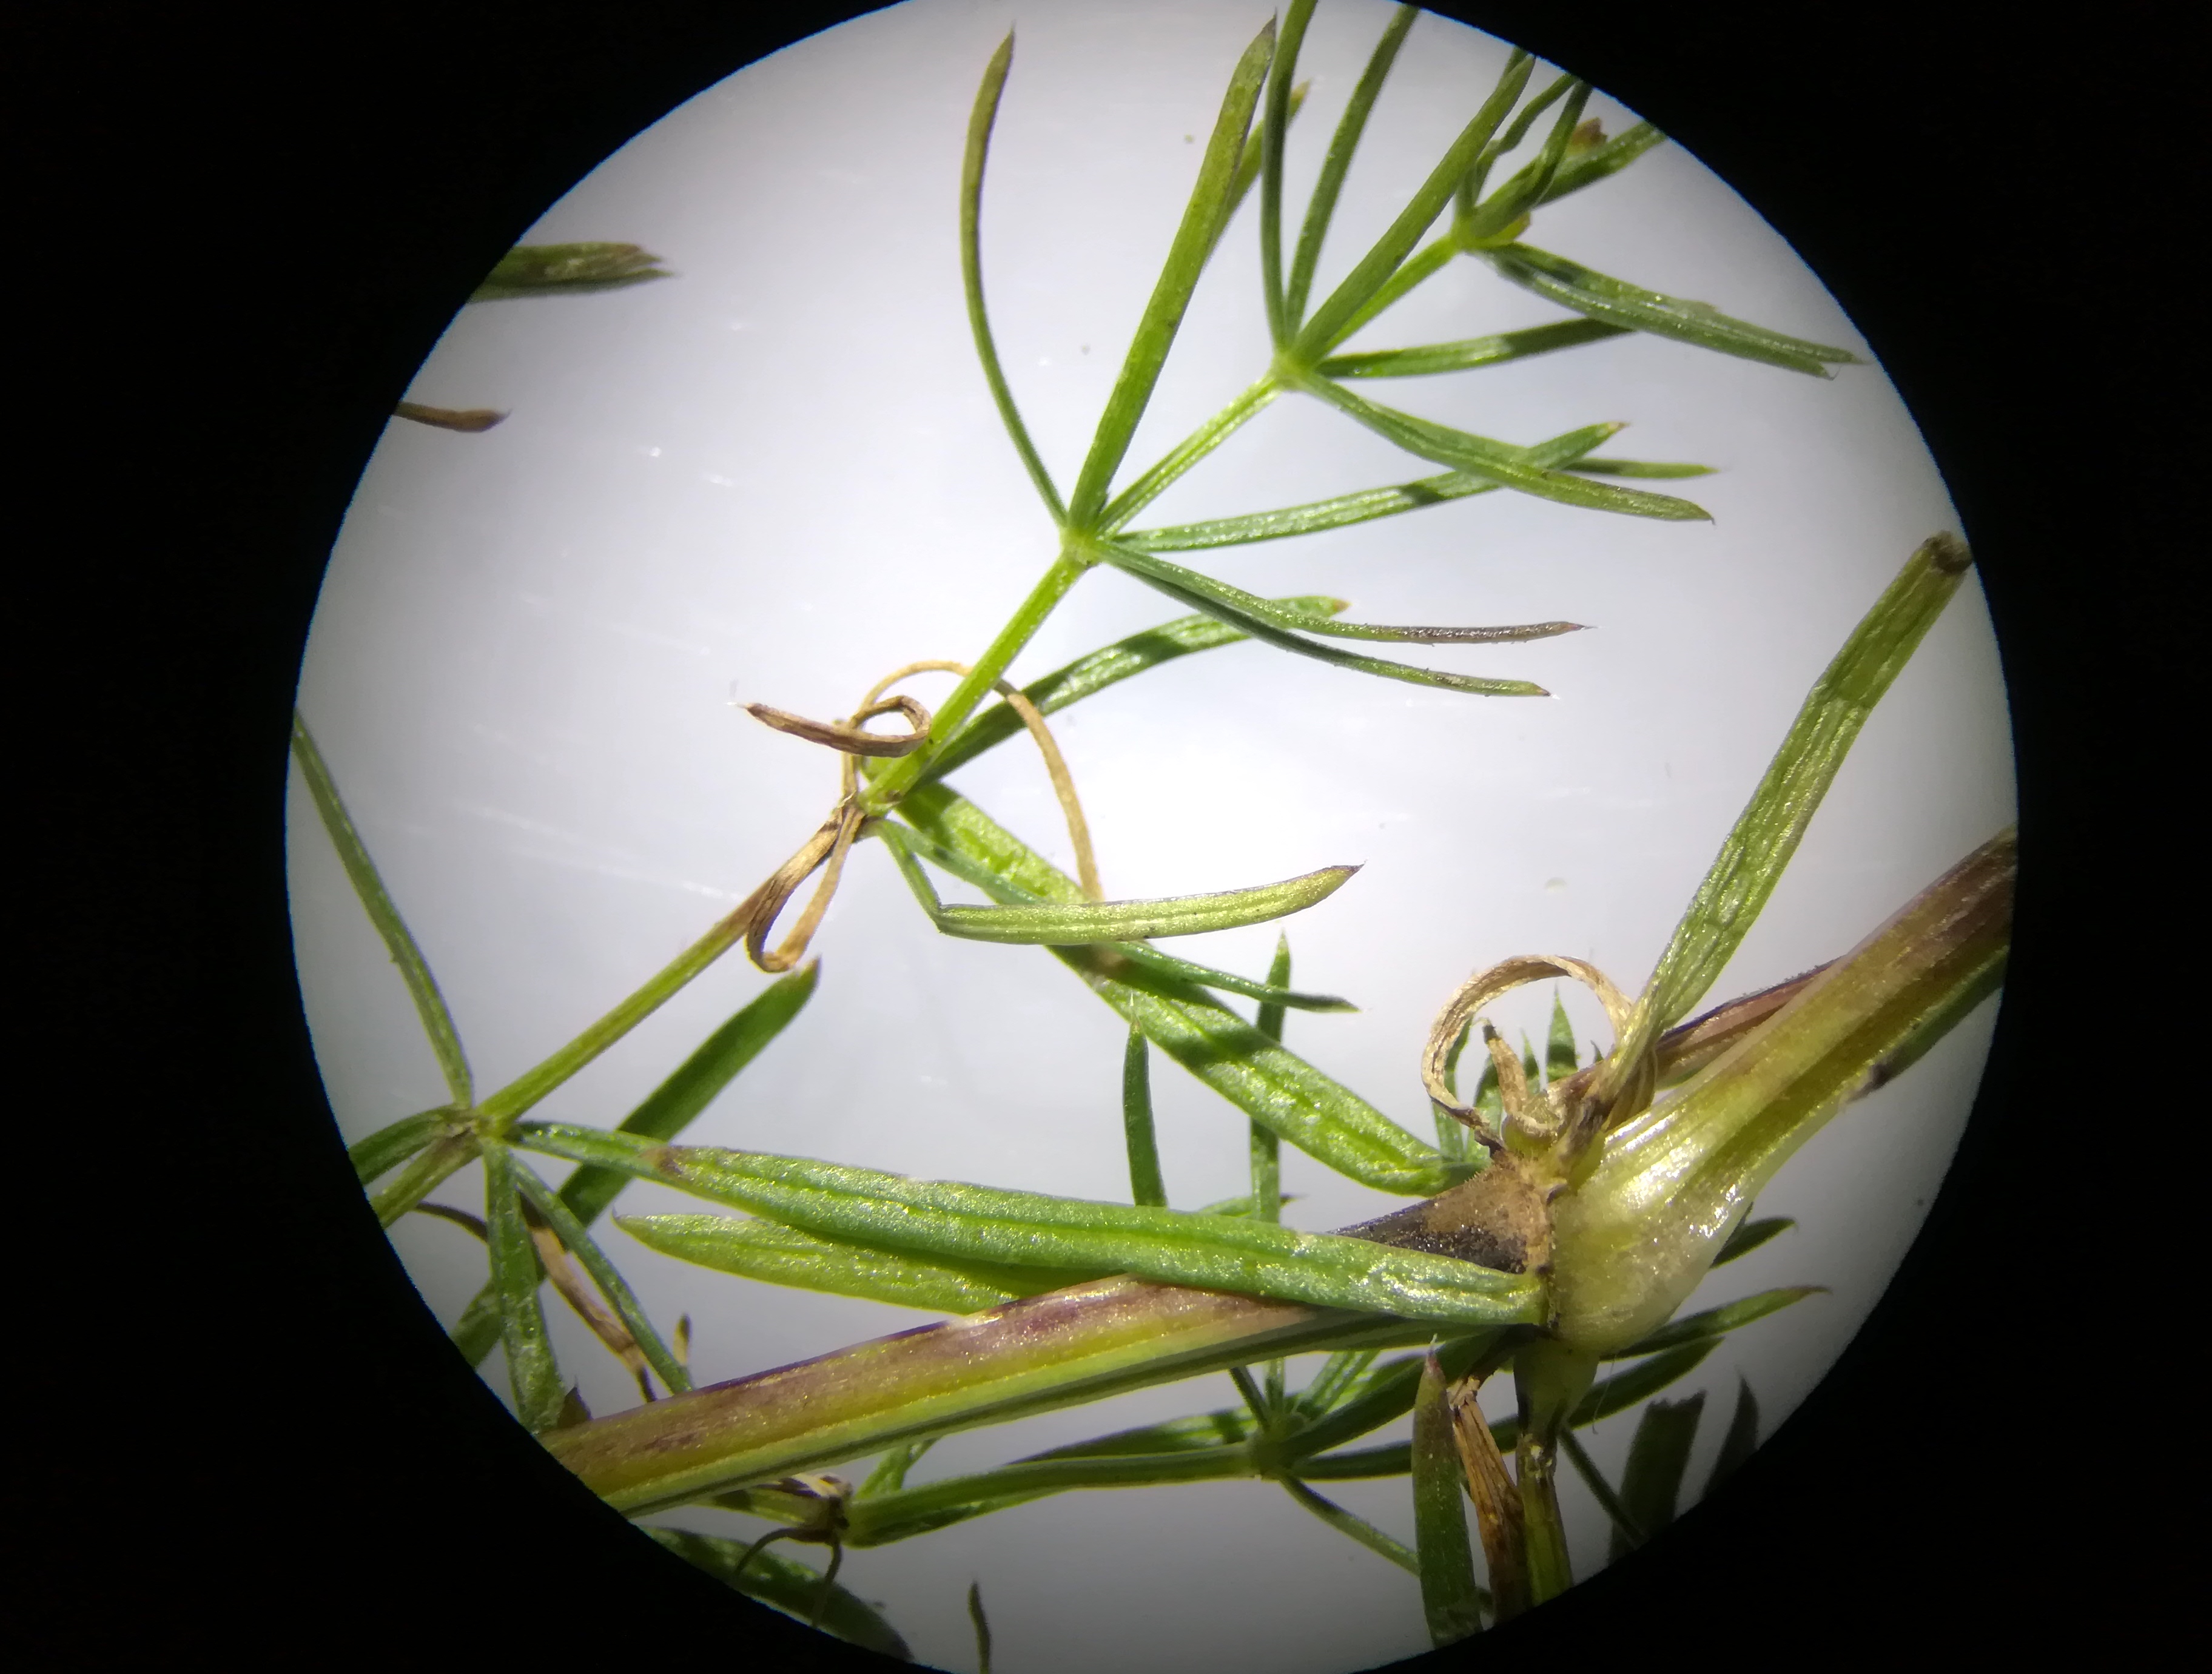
(881, 796)
(1552, 1379)
(501, 1110)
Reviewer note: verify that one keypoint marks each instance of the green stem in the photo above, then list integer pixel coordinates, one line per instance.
(1552, 1379)
(1188, 453)
(881, 796)
(501, 1110)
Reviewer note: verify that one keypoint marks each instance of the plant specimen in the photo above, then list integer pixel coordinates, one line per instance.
(1569, 1205)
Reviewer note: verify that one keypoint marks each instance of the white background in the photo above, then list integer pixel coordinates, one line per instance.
(778, 472)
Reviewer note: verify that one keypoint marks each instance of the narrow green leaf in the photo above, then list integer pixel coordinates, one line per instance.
(1148, 567)
(1321, 207)
(1170, 467)
(1247, 176)
(1750, 1235)
(1224, 1426)
(1318, 1115)
(1354, 1527)
(1625, 1529)
(1651, 469)
(985, 1223)
(980, 121)
(1559, 1044)
(1078, 924)
(1652, 1486)
(387, 1148)
(1385, 1393)
(423, 1173)
(1450, 1601)
(1338, 1373)
(782, 1255)
(1610, 158)
(545, 270)
(1434, 257)
(1614, 303)
(1163, 316)
(1506, 206)
(1517, 129)
(673, 1374)
(890, 1518)
(981, 1623)
(1274, 124)
(1265, 1148)
(1717, 1322)
(789, 1586)
(532, 1372)
(665, 1112)
(1144, 1183)
(1742, 1441)
(1089, 675)
(889, 1475)
(1225, 602)
(1344, 509)
(1335, 316)
(1622, 1390)
(1503, 463)
(1767, 832)
(414, 969)
(1469, 353)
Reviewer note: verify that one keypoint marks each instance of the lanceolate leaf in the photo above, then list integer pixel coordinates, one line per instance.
(1076, 924)
(1194, 242)
(531, 1370)
(1150, 567)
(1228, 603)
(1503, 463)
(1266, 1082)
(970, 1223)
(1652, 1486)
(387, 1148)
(414, 969)
(1321, 209)
(1449, 1598)
(1088, 675)
(1611, 302)
(1470, 352)
(1610, 158)
(673, 1374)
(782, 1255)
(1750, 1235)
(547, 270)
(1165, 965)
(667, 1112)
(1767, 834)
(1362, 507)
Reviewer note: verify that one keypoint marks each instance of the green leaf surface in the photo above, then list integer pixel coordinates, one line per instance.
(532, 1373)
(1500, 212)
(369, 885)
(665, 1112)
(1608, 159)
(1653, 470)
(966, 1222)
(1089, 675)
(1144, 1183)
(1354, 1527)
(1717, 1322)
(787, 1584)
(672, 1372)
(1767, 834)
(1321, 208)
(553, 270)
(1750, 1235)
(1078, 924)
(1559, 1044)
(1450, 1600)
(1652, 1486)
(1166, 966)
(1148, 566)
(1468, 353)
(782, 1255)
(983, 116)
(1507, 465)
(1274, 125)
(1615, 302)
(387, 1148)
(1348, 304)
(1270, 1084)
(1163, 316)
